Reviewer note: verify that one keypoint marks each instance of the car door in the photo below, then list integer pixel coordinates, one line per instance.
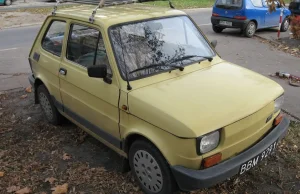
(258, 12)
(272, 18)
(90, 102)
(45, 57)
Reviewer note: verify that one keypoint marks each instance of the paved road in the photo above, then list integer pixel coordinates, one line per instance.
(249, 53)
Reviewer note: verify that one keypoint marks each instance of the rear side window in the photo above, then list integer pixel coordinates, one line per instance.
(229, 4)
(53, 39)
(257, 3)
(86, 47)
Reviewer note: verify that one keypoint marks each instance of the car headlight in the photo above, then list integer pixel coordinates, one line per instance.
(278, 103)
(208, 142)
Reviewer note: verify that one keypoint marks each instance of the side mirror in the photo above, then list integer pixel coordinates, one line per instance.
(214, 43)
(98, 71)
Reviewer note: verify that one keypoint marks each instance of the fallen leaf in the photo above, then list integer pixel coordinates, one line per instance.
(2, 153)
(28, 89)
(60, 189)
(50, 180)
(1, 174)
(66, 156)
(24, 191)
(295, 147)
(12, 189)
(23, 96)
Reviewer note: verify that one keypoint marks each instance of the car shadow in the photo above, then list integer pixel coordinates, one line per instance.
(237, 32)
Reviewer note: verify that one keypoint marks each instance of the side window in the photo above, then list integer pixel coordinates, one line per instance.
(257, 3)
(86, 47)
(54, 37)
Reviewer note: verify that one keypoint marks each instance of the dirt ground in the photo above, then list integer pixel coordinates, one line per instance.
(38, 157)
(14, 18)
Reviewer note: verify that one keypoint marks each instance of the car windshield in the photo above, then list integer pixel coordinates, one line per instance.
(229, 4)
(170, 41)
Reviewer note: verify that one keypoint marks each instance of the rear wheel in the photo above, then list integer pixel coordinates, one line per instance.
(150, 168)
(285, 25)
(8, 2)
(250, 29)
(50, 111)
(217, 29)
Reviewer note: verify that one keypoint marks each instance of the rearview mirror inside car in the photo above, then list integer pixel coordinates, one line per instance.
(214, 43)
(98, 71)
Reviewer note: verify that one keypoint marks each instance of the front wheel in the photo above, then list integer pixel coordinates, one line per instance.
(217, 29)
(285, 25)
(8, 2)
(150, 168)
(250, 29)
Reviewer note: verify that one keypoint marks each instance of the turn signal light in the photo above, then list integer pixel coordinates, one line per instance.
(212, 160)
(240, 17)
(278, 119)
(215, 14)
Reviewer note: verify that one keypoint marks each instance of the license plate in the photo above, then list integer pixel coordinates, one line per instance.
(225, 23)
(254, 161)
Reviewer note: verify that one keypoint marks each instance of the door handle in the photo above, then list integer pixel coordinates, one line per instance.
(63, 71)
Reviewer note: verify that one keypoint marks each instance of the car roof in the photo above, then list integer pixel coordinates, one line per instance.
(111, 15)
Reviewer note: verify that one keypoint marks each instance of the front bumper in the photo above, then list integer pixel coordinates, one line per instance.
(189, 179)
(235, 23)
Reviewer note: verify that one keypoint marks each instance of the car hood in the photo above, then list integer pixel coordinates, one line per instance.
(202, 101)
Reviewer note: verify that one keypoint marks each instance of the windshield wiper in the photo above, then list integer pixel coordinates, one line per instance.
(157, 65)
(191, 56)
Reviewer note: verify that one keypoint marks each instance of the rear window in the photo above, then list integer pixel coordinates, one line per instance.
(229, 4)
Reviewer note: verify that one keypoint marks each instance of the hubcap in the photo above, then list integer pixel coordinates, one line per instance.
(251, 29)
(286, 25)
(45, 104)
(148, 171)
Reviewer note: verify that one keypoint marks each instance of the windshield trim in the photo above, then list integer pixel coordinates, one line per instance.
(149, 19)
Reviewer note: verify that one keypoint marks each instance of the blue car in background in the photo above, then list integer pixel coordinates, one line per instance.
(247, 15)
(6, 2)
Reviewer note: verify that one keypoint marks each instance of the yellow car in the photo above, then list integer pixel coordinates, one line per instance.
(146, 82)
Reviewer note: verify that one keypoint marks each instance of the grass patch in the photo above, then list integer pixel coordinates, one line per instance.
(184, 4)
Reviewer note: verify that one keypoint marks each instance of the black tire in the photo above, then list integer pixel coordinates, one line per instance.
(285, 25)
(217, 29)
(8, 2)
(51, 113)
(249, 31)
(158, 166)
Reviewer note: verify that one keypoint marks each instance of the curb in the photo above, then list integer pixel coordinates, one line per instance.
(258, 36)
(197, 9)
(22, 25)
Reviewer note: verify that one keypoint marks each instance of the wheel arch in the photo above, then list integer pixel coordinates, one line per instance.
(175, 150)
(131, 138)
(254, 20)
(37, 83)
